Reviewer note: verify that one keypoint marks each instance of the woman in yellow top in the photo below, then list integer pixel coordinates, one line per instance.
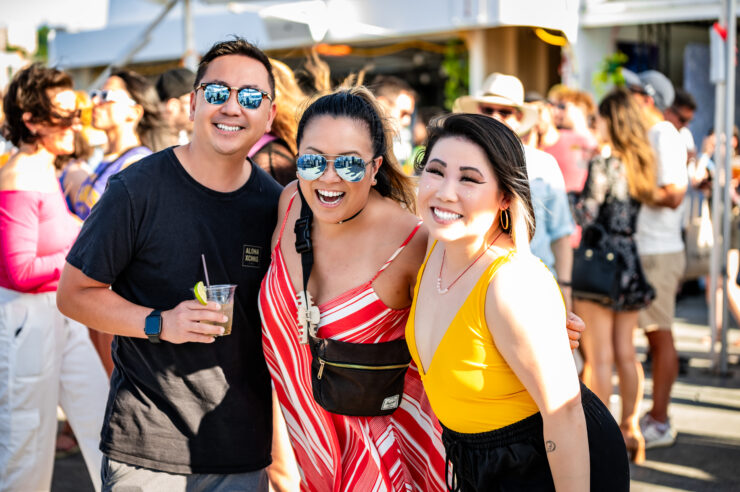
(484, 328)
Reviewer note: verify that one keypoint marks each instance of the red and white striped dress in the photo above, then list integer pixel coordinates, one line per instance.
(398, 452)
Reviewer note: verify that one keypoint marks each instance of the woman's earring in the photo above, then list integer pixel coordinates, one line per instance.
(375, 181)
(505, 219)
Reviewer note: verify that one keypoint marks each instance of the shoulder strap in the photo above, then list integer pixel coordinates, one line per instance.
(285, 218)
(303, 245)
(308, 314)
(397, 252)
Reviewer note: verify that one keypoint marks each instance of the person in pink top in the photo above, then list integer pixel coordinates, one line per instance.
(45, 359)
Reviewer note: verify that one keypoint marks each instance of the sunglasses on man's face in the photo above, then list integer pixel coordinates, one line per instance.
(491, 111)
(682, 118)
(349, 167)
(248, 97)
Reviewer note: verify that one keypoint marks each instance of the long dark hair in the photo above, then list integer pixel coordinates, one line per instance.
(505, 154)
(359, 104)
(153, 129)
(27, 94)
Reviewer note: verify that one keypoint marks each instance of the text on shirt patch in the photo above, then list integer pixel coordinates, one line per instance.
(251, 256)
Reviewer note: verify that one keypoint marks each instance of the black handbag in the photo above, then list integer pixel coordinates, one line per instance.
(355, 379)
(596, 267)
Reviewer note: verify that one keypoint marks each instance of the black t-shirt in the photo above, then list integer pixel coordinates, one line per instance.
(188, 408)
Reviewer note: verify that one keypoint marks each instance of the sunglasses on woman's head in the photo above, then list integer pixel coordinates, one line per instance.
(248, 97)
(112, 95)
(349, 167)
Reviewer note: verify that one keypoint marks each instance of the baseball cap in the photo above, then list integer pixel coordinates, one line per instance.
(175, 83)
(653, 84)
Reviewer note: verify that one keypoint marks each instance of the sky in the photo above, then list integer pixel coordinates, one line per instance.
(23, 17)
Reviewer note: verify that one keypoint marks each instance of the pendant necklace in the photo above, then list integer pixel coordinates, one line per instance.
(442, 291)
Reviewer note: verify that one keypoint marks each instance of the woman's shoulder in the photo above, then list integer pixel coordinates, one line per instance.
(522, 279)
(21, 173)
(523, 297)
(396, 221)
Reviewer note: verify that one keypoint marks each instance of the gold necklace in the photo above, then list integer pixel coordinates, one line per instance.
(442, 291)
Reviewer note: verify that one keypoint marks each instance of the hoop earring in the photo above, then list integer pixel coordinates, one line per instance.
(505, 214)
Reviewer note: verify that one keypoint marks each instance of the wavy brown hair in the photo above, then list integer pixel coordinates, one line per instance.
(27, 93)
(629, 141)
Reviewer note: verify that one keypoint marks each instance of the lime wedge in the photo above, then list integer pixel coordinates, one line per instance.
(200, 293)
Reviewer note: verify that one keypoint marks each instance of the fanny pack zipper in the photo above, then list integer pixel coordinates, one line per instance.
(323, 362)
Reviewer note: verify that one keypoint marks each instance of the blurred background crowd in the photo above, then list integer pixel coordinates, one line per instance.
(633, 88)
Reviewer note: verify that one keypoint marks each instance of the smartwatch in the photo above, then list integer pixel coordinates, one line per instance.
(153, 326)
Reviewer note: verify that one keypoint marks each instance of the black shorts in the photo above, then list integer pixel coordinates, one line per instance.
(513, 458)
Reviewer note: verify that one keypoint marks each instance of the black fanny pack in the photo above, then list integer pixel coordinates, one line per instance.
(355, 379)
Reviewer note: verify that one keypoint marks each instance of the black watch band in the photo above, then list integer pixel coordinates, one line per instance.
(153, 326)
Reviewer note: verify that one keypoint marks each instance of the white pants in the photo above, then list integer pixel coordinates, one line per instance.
(46, 360)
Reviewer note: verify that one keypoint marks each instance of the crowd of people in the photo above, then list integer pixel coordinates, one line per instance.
(360, 230)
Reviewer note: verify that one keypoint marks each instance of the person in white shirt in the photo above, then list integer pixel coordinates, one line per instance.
(661, 247)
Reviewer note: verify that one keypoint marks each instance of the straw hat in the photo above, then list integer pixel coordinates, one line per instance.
(501, 90)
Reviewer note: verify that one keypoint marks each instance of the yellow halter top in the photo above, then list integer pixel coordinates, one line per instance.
(469, 384)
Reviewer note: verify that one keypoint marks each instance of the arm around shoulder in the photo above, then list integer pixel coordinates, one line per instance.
(536, 348)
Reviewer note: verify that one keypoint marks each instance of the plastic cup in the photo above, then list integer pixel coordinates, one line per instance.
(224, 295)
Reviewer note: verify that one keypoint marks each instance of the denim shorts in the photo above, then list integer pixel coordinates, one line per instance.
(513, 458)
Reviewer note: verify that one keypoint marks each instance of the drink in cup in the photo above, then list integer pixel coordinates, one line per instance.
(224, 295)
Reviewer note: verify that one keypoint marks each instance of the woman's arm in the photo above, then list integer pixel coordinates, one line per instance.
(537, 351)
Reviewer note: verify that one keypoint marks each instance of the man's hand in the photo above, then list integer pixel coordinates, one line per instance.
(189, 322)
(575, 327)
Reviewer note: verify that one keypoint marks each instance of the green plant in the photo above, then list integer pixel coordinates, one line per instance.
(455, 66)
(610, 72)
(42, 43)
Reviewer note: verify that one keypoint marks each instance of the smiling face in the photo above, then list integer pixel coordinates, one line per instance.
(459, 195)
(228, 128)
(331, 198)
(58, 134)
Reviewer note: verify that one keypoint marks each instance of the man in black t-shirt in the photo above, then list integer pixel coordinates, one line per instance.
(186, 410)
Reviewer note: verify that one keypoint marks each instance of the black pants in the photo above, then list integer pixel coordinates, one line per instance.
(513, 458)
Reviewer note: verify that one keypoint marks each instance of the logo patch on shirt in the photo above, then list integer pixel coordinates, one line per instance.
(251, 256)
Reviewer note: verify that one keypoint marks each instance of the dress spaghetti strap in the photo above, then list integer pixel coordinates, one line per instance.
(285, 219)
(397, 252)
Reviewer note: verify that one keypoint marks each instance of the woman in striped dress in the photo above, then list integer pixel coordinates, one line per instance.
(368, 246)
(367, 249)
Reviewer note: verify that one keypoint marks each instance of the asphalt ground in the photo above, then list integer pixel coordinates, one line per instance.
(705, 408)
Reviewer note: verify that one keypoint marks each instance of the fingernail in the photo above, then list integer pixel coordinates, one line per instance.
(224, 318)
(223, 329)
(216, 305)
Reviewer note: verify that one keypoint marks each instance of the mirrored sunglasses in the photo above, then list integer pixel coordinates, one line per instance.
(248, 97)
(349, 167)
(112, 95)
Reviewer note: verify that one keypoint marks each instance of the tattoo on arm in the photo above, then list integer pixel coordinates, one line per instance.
(550, 446)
